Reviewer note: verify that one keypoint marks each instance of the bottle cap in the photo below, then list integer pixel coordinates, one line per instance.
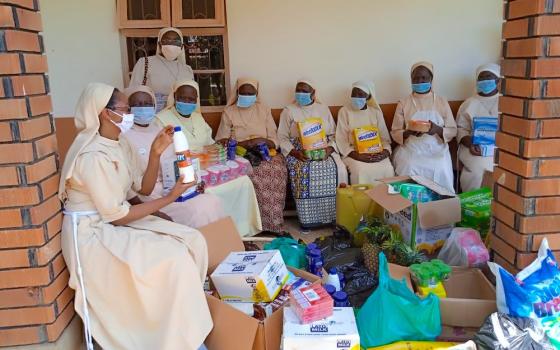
(330, 289)
(177, 129)
(333, 271)
(340, 296)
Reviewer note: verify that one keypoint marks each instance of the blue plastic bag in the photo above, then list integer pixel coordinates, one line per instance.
(534, 292)
(394, 313)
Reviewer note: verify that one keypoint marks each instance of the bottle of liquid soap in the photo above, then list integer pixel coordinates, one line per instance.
(184, 163)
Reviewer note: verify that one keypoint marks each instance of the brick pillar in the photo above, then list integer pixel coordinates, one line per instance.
(527, 193)
(35, 301)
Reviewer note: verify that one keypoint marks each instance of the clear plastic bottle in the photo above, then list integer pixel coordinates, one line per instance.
(184, 163)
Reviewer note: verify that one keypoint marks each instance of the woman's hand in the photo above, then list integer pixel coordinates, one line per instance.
(299, 155)
(435, 130)
(180, 188)
(163, 139)
(162, 215)
(360, 157)
(408, 133)
(328, 151)
(378, 157)
(475, 150)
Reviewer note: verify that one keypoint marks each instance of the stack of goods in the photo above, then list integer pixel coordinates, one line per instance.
(484, 134)
(313, 138)
(476, 210)
(429, 277)
(256, 283)
(311, 303)
(415, 193)
(338, 332)
(367, 140)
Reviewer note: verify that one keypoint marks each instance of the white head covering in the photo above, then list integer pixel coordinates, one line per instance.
(182, 57)
(489, 67)
(131, 90)
(310, 83)
(176, 86)
(93, 100)
(369, 88)
(426, 64)
(240, 82)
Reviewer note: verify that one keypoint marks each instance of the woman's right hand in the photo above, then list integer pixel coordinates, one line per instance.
(180, 188)
(299, 155)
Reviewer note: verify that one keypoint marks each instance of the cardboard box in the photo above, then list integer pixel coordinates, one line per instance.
(234, 330)
(471, 298)
(250, 276)
(424, 225)
(338, 332)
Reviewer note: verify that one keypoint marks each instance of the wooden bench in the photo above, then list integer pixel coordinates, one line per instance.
(65, 130)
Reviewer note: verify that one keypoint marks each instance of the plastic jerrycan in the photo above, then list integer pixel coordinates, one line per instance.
(352, 203)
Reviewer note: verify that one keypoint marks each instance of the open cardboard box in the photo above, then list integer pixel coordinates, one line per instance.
(433, 221)
(471, 298)
(234, 330)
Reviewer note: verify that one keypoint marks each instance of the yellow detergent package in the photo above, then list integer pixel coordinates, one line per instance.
(312, 134)
(367, 140)
(415, 345)
(438, 290)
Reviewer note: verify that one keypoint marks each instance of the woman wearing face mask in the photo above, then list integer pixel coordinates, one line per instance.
(426, 152)
(313, 183)
(483, 104)
(127, 258)
(195, 212)
(238, 197)
(364, 111)
(251, 123)
(165, 68)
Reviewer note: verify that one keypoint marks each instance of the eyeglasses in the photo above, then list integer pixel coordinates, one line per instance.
(124, 109)
(171, 42)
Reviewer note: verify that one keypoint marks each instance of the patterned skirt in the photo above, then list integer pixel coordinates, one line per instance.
(270, 181)
(313, 185)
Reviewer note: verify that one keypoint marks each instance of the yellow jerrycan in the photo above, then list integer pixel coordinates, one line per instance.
(352, 203)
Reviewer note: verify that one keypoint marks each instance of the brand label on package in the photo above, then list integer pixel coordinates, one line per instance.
(312, 134)
(367, 139)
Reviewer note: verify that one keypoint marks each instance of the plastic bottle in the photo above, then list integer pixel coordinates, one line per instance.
(308, 249)
(333, 279)
(316, 262)
(330, 289)
(231, 145)
(184, 163)
(341, 299)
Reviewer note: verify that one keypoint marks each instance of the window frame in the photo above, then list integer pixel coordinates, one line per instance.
(178, 21)
(125, 23)
(153, 32)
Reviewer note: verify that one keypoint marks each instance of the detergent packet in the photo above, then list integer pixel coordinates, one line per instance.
(367, 140)
(312, 134)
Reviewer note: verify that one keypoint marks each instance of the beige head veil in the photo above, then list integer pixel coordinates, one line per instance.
(240, 82)
(182, 56)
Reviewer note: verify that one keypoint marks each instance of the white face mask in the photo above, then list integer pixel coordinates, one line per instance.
(171, 52)
(126, 123)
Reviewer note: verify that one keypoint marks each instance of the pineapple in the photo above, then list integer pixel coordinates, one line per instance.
(400, 253)
(376, 233)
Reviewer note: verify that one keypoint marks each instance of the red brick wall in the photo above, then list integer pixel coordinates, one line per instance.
(35, 300)
(527, 206)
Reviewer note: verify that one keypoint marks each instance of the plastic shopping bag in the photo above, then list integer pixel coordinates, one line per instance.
(464, 248)
(534, 292)
(394, 313)
(503, 332)
(292, 253)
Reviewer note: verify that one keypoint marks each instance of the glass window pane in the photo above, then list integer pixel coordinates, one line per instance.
(212, 89)
(143, 9)
(205, 52)
(138, 48)
(199, 9)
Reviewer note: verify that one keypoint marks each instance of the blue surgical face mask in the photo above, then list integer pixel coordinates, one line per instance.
(246, 101)
(421, 88)
(359, 102)
(486, 86)
(185, 108)
(143, 115)
(303, 98)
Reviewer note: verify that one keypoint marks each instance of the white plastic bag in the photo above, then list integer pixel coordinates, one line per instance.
(464, 248)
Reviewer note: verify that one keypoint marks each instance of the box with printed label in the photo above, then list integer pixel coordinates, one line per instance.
(338, 332)
(312, 134)
(250, 276)
(487, 150)
(425, 225)
(484, 130)
(367, 140)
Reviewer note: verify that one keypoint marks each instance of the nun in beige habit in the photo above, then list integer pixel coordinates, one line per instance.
(424, 153)
(364, 111)
(483, 104)
(142, 285)
(161, 71)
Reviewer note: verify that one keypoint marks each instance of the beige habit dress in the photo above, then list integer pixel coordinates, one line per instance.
(270, 178)
(475, 106)
(349, 119)
(427, 155)
(143, 280)
(195, 212)
(238, 196)
(162, 73)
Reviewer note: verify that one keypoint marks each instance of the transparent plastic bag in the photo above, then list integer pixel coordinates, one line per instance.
(464, 247)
